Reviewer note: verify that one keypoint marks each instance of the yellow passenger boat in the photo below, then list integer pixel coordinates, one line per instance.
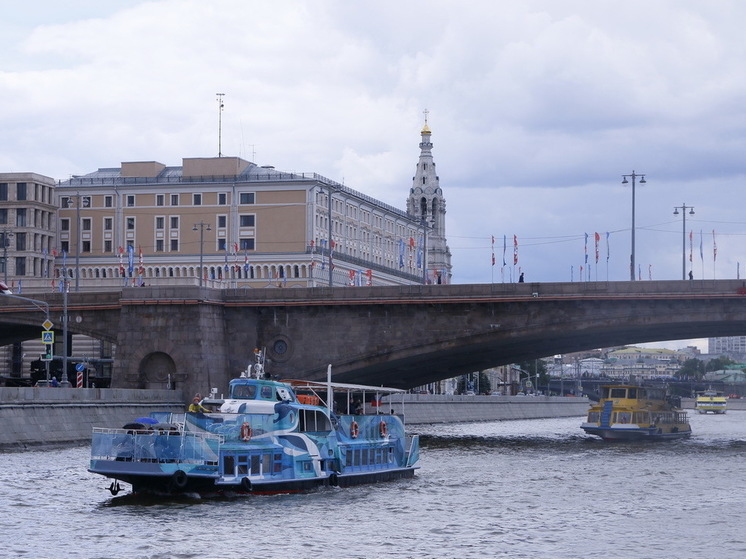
(629, 412)
(711, 400)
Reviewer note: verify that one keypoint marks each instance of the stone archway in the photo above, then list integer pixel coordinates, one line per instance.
(157, 370)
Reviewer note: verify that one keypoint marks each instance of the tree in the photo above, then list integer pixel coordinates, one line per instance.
(692, 369)
(532, 368)
(718, 363)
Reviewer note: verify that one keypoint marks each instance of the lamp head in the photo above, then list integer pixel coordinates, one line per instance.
(625, 181)
(642, 180)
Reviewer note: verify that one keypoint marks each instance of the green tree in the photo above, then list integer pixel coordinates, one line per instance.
(718, 363)
(692, 369)
(533, 367)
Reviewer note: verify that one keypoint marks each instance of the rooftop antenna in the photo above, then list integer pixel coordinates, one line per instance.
(220, 123)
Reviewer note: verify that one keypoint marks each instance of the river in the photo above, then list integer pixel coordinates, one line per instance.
(518, 489)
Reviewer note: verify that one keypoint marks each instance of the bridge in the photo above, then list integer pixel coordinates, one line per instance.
(402, 336)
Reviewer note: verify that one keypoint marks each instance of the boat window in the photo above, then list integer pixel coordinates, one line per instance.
(229, 465)
(313, 420)
(632, 393)
(244, 391)
(267, 392)
(618, 392)
(255, 460)
(605, 392)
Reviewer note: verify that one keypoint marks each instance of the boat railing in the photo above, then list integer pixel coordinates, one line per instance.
(155, 446)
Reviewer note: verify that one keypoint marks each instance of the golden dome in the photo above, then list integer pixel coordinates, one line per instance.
(425, 129)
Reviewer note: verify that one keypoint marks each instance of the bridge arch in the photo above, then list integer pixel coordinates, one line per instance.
(156, 370)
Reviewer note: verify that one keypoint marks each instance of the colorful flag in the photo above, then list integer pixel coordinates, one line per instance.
(607, 247)
(597, 238)
(493, 250)
(505, 248)
(515, 250)
(691, 244)
(586, 248)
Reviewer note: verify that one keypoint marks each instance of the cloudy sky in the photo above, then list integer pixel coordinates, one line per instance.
(538, 107)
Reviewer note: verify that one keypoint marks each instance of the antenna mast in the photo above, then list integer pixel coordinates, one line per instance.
(220, 123)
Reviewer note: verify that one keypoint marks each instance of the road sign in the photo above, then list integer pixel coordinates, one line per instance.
(47, 325)
(80, 367)
(47, 336)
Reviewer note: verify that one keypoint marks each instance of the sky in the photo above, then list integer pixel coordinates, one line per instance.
(537, 109)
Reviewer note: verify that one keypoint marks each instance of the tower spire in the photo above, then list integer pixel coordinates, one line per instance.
(427, 204)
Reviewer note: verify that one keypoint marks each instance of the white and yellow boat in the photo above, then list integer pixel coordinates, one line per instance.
(629, 412)
(711, 400)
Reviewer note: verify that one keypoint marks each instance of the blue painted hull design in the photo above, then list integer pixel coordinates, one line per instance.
(272, 443)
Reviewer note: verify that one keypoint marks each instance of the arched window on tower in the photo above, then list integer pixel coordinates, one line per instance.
(423, 207)
(435, 212)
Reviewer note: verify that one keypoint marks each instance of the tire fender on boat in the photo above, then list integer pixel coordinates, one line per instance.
(333, 480)
(179, 479)
(246, 484)
(354, 430)
(246, 432)
(383, 429)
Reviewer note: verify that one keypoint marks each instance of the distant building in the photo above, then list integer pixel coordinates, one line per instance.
(227, 222)
(732, 346)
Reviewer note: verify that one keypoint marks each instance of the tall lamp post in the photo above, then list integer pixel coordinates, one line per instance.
(201, 227)
(683, 208)
(632, 255)
(7, 235)
(425, 226)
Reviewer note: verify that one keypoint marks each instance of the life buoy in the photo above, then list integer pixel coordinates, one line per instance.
(354, 430)
(245, 432)
(383, 428)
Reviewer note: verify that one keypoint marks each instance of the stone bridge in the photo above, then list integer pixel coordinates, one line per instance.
(401, 336)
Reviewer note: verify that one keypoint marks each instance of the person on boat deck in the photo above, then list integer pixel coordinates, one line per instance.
(357, 407)
(196, 407)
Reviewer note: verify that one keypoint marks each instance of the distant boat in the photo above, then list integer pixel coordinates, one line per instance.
(629, 412)
(267, 437)
(711, 400)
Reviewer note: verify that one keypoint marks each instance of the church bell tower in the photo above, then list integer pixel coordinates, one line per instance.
(426, 203)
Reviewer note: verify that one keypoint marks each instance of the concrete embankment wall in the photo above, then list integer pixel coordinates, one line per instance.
(34, 417)
(438, 408)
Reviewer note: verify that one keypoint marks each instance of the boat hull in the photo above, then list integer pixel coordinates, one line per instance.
(180, 482)
(636, 434)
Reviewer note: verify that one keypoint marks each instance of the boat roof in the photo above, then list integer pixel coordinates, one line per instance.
(341, 387)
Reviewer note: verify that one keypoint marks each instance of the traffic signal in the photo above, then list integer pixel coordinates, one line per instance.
(47, 355)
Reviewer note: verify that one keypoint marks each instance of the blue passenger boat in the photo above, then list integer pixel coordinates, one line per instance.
(267, 436)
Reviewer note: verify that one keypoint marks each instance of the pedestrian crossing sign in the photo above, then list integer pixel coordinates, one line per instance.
(47, 336)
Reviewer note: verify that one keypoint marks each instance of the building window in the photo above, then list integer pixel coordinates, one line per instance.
(64, 224)
(108, 202)
(108, 224)
(247, 220)
(64, 202)
(174, 199)
(222, 221)
(160, 200)
(222, 198)
(86, 225)
(221, 244)
(3, 191)
(65, 246)
(21, 191)
(130, 200)
(160, 222)
(20, 241)
(86, 246)
(247, 244)
(246, 198)
(159, 245)
(4, 216)
(21, 217)
(130, 224)
(107, 246)
(174, 222)
(21, 266)
(196, 199)
(174, 245)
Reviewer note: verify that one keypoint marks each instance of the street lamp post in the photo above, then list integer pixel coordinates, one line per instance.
(683, 208)
(425, 226)
(7, 235)
(632, 255)
(201, 226)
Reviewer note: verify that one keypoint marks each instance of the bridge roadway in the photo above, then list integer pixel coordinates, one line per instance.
(401, 336)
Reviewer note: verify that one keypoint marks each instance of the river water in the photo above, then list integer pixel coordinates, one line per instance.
(518, 489)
